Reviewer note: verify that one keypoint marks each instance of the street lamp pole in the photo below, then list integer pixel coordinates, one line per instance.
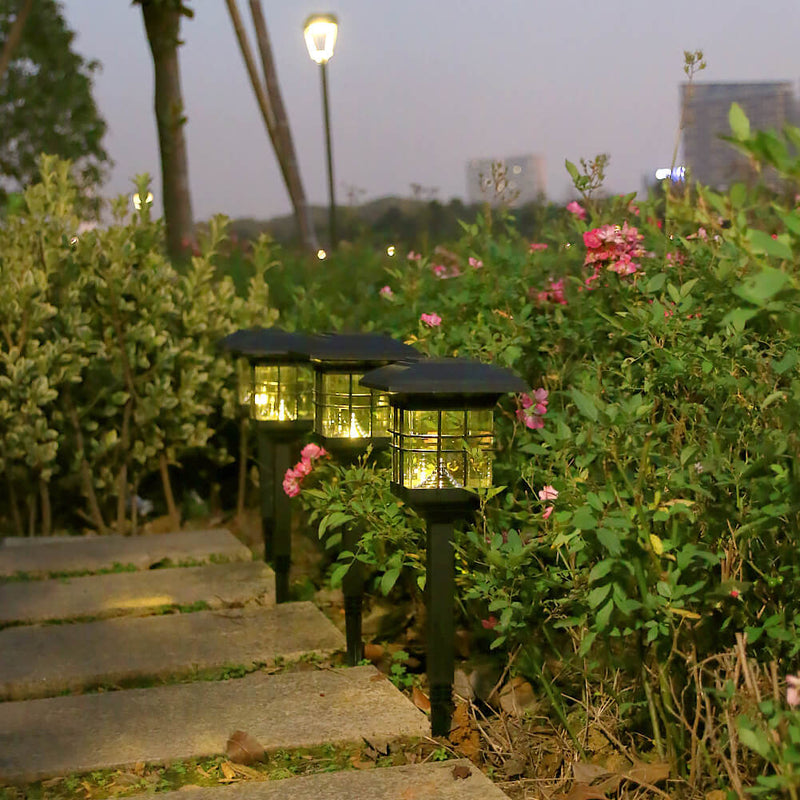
(320, 32)
(329, 151)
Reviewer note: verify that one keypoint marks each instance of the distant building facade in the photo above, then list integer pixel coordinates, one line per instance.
(712, 161)
(514, 181)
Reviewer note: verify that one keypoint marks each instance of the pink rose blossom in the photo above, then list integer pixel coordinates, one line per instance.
(412, 256)
(547, 493)
(475, 263)
(540, 395)
(291, 485)
(489, 623)
(591, 239)
(431, 320)
(386, 292)
(793, 690)
(536, 246)
(547, 512)
(577, 209)
(532, 417)
(312, 451)
(303, 468)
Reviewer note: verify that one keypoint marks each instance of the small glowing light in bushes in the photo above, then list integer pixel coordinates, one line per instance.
(137, 201)
(391, 250)
(321, 254)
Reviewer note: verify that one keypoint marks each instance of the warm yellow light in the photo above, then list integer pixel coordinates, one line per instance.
(321, 254)
(449, 449)
(137, 201)
(281, 393)
(391, 250)
(347, 410)
(320, 33)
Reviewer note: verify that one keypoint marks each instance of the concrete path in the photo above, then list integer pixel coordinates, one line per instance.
(60, 735)
(416, 782)
(43, 661)
(74, 554)
(121, 593)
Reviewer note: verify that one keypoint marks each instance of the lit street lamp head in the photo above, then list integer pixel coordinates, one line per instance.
(320, 34)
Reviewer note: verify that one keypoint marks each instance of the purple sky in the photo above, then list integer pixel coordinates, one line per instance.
(419, 87)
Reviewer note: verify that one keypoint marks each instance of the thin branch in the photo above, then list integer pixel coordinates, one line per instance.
(14, 36)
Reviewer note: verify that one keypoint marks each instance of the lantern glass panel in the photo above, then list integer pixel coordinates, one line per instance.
(347, 410)
(443, 449)
(281, 393)
(244, 381)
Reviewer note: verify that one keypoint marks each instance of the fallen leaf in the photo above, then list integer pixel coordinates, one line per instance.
(515, 766)
(357, 763)
(517, 696)
(378, 746)
(644, 772)
(244, 748)
(716, 794)
(420, 699)
(582, 791)
(461, 771)
(249, 772)
(374, 652)
(587, 773)
(228, 771)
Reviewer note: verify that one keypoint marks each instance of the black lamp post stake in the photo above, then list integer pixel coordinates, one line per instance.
(442, 438)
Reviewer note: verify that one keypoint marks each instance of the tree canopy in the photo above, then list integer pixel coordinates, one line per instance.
(46, 102)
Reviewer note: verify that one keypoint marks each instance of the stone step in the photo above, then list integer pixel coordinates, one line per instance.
(414, 782)
(61, 735)
(94, 553)
(43, 661)
(122, 593)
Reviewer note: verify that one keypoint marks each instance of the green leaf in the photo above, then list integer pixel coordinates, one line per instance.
(609, 540)
(583, 519)
(389, 579)
(333, 520)
(763, 244)
(572, 169)
(789, 361)
(756, 742)
(597, 595)
(740, 125)
(604, 615)
(764, 286)
(585, 404)
(739, 317)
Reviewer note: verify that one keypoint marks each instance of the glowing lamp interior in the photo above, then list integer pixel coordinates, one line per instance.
(320, 35)
(442, 449)
(346, 410)
(281, 393)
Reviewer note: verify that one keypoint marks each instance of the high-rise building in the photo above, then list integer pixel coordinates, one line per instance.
(514, 181)
(712, 161)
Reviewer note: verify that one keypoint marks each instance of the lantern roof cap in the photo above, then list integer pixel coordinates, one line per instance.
(444, 376)
(267, 343)
(367, 349)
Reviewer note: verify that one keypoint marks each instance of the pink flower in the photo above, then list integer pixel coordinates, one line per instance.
(532, 417)
(577, 209)
(475, 263)
(793, 690)
(431, 320)
(591, 239)
(439, 270)
(386, 292)
(313, 451)
(303, 468)
(291, 484)
(540, 395)
(547, 493)
(538, 246)
(553, 294)
(547, 512)
(489, 623)
(412, 256)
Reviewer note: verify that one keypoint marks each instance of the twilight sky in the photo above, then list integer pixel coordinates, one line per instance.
(419, 87)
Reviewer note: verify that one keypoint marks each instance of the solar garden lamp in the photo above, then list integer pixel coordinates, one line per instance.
(347, 419)
(277, 382)
(442, 451)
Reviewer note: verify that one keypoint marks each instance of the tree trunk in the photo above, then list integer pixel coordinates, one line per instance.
(287, 152)
(14, 36)
(169, 497)
(265, 105)
(162, 22)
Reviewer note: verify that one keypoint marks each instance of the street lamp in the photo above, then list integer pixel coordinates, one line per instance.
(347, 419)
(442, 440)
(320, 34)
(276, 382)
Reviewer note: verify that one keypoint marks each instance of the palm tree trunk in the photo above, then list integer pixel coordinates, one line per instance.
(265, 105)
(302, 213)
(162, 22)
